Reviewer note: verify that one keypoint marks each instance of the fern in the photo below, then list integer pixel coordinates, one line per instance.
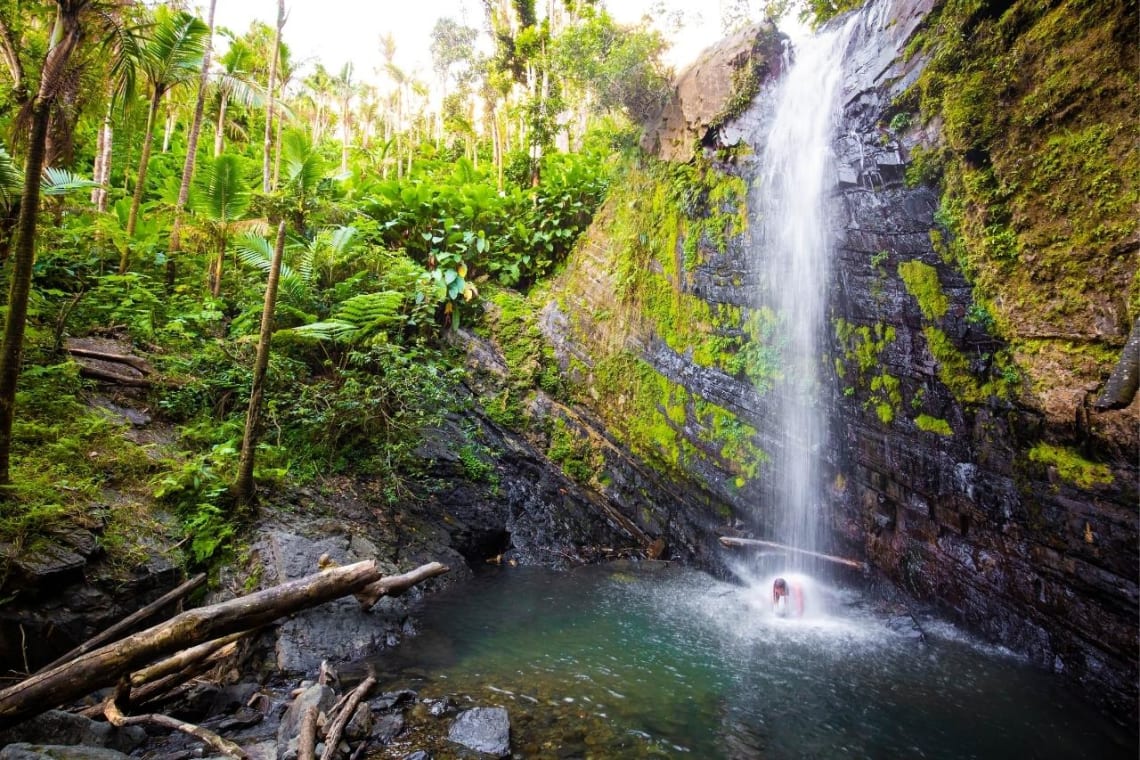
(358, 319)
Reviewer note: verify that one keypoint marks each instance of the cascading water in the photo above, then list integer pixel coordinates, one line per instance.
(794, 248)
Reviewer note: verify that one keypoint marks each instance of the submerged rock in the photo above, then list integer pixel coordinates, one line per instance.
(483, 729)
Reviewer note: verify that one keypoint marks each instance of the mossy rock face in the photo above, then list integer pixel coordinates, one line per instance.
(1040, 170)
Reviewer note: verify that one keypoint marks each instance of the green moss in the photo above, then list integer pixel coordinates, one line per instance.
(1001, 377)
(921, 281)
(1039, 162)
(933, 425)
(862, 362)
(580, 461)
(664, 217)
(1071, 466)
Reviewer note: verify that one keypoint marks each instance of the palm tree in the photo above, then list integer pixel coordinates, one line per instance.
(220, 202)
(191, 150)
(171, 56)
(304, 171)
(65, 37)
(274, 56)
(344, 88)
(320, 84)
(234, 81)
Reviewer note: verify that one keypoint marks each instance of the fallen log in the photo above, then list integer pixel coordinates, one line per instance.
(336, 730)
(102, 667)
(95, 373)
(162, 688)
(129, 621)
(396, 585)
(185, 659)
(109, 356)
(732, 542)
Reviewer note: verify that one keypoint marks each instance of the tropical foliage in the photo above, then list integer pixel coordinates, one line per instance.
(402, 213)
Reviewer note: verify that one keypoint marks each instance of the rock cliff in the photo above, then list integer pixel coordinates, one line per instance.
(967, 461)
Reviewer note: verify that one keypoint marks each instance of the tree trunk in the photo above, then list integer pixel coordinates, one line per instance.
(140, 180)
(65, 37)
(243, 487)
(220, 132)
(105, 161)
(191, 153)
(97, 167)
(106, 665)
(268, 140)
(219, 264)
(168, 127)
(12, 350)
(277, 153)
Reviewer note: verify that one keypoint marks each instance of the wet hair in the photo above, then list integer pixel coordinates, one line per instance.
(780, 584)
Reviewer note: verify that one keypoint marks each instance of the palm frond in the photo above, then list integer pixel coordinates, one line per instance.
(255, 251)
(11, 180)
(303, 165)
(174, 51)
(241, 90)
(222, 193)
(61, 182)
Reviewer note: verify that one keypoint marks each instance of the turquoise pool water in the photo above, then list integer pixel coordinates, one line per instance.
(652, 660)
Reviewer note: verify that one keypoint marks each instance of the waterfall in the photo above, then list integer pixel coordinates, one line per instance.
(793, 245)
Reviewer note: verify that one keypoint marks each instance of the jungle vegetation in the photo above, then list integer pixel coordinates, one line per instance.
(148, 162)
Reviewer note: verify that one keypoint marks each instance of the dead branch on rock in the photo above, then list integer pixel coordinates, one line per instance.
(396, 585)
(332, 738)
(116, 718)
(102, 667)
(129, 621)
(162, 681)
(733, 542)
(109, 356)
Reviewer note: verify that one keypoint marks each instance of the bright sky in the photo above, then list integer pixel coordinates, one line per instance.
(336, 31)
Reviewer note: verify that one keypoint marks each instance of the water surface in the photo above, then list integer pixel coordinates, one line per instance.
(652, 660)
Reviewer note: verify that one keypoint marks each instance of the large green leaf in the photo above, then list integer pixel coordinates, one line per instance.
(222, 193)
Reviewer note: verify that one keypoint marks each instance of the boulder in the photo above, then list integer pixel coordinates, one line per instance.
(483, 729)
(718, 85)
(23, 751)
(60, 728)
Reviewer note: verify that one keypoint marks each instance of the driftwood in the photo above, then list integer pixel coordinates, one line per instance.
(397, 585)
(307, 741)
(732, 542)
(130, 621)
(336, 730)
(166, 687)
(208, 652)
(116, 717)
(102, 667)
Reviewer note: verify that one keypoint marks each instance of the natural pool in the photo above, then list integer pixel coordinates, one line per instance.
(654, 660)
